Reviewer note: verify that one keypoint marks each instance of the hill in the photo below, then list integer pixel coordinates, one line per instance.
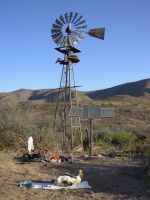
(136, 89)
(41, 95)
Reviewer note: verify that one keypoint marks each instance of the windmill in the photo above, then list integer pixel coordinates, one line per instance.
(67, 31)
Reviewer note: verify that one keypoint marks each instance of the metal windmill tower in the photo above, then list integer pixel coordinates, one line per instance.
(67, 31)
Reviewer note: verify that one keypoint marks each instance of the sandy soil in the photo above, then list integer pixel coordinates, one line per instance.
(110, 178)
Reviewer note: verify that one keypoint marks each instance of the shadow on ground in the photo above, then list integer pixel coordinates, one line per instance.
(108, 177)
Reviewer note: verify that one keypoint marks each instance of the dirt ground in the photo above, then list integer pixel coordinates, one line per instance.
(110, 178)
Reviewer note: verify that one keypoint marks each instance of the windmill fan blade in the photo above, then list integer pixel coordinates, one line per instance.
(62, 19)
(66, 17)
(58, 22)
(97, 32)
(66, 42)
(79, 35)
(78, 19)
(70, 41)
(70, 17)
(81, 27)
(82, 22)
(75, 16)
(56, 35)
(56, 26)
(53, 31)
(75, 39)
(58, 39)
(61, 41)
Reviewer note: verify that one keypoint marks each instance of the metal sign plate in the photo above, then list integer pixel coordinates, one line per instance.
(96, 112)
(75, 112)
(107, 112)
(88, 112)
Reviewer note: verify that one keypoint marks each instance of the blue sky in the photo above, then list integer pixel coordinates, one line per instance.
(27, 55)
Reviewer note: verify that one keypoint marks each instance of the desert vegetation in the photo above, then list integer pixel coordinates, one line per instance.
(126, 134)
(17, 124)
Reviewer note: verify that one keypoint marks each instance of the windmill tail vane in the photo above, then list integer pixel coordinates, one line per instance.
(97, 32)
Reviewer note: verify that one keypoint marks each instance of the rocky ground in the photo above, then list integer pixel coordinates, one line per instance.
(110, 178)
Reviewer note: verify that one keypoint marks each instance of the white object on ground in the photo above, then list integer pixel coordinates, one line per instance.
(68, 178)
(82, 185)
(97, 155)
(30, 144)
(52, 186)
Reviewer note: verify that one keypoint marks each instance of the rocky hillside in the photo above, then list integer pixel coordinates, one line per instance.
(137, 89)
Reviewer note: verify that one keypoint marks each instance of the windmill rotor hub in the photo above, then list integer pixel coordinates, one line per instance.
(68, 29)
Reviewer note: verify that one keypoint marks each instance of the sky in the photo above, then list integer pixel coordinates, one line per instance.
(27, 54)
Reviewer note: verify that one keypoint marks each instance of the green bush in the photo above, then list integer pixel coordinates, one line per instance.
(121, 138)
(101, 142)
(123, 142)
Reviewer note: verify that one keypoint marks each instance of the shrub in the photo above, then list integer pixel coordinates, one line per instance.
(122, 142)
(101, 142)
(121, 138)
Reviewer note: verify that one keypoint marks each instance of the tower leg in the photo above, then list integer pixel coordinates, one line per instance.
(91, 137)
